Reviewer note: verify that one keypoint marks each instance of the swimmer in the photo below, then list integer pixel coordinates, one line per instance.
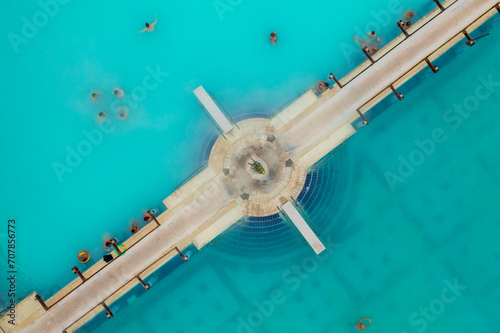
(122, 112)
(147, 217)
(150, 27)
(102, 115)
(108, 244)
(274, 37)
(94, 95)
(118, 92)
(373, 49)
(134, 228)
(322, 86)
(362, 326)
(409, 15)
(374, 36)
(407, 24)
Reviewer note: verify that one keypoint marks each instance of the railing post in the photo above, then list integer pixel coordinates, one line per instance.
(77, 271)
(145, 285)
(154, 218)
(180, 253)
(365, 121)
(470, 41)
(400, 25)
(116, 247)
(367, 53)
(438, 3)
(108, 311)
(337, 81)
(434, 69)
(398, 95)
(42, 303)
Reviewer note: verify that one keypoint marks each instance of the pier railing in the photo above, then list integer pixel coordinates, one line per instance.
(125, 287)
(426, 61)
(406, 33)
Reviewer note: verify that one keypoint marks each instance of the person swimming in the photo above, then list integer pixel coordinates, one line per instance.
(122, 112)
(150, 27)
(274, 37)
(118, 92)
(361, 325)
(108, 244)
(147, 217)
(134, 227)
(409, 14)
(374, 36)
(373, 49)
(94, 95)
(102, 115)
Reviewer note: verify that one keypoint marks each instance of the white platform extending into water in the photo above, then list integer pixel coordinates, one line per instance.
(213, 109)
(303, 227)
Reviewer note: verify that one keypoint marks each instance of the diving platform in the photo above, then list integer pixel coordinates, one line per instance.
(228, 189)
(213, 110)
(303, 227)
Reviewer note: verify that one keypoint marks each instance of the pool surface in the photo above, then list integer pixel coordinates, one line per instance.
(407, 208)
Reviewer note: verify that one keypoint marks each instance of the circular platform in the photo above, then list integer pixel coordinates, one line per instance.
(256, 141)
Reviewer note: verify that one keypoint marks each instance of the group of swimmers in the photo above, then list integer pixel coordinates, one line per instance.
(122, 110)
(371, 45)
(147, 218)
(374, 40)
(134, 228)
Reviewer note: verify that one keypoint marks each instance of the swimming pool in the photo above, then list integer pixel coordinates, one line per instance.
(167, 132)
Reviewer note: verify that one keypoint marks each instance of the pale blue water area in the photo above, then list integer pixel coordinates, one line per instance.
(391, 250)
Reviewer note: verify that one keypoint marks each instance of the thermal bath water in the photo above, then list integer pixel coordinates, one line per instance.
(392, 250)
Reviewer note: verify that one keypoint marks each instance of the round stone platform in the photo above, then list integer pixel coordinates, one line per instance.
(259, 194)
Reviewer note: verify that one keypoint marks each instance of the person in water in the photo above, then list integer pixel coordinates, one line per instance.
(101, 115)
(150, 27)
(274, 37)
(373, 36)
(134, 227)
(108, 244)
(94, 95)
(147, 217)
(373, 49)
(118, 92)
(363, 324)
(122, 112)
(409, 15)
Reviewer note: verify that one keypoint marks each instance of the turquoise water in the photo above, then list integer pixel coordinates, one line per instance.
(393, 249)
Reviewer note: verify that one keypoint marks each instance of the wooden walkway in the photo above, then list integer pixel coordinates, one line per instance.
(224, 192)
